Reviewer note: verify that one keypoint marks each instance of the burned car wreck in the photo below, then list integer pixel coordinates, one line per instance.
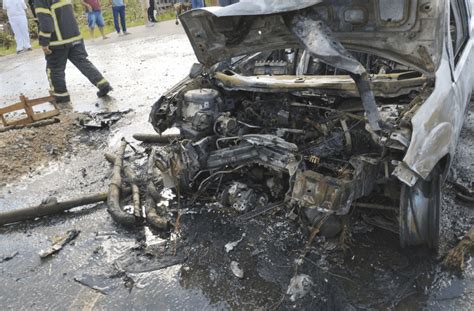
(320, 107)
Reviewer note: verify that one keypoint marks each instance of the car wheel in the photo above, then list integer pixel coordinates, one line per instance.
(420, 212)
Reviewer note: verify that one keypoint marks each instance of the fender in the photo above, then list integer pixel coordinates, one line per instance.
(434, 148)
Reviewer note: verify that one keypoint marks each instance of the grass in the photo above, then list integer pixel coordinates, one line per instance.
(169, 15)
(4, 51)
(12, 50)
(166, 16)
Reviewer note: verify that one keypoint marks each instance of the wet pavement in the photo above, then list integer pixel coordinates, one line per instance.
(108, 267)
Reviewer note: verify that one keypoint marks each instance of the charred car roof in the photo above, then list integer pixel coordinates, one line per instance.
(404, 31)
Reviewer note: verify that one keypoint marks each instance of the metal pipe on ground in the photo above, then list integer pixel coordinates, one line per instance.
(51, 208)
(133, 180)
(152, 217)
(113, 198)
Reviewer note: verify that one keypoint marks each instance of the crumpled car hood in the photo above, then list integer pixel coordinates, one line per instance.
(406, 31)
(260, 7)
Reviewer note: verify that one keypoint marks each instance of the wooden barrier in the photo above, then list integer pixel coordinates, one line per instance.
(27, 105)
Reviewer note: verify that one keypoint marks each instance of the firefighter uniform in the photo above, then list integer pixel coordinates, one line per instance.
(59, 31)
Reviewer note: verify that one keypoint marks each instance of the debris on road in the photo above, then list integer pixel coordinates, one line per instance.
(300, 286)
(59, 242)
(101, 284)
(34, 124)
(464, 194)
(455, 259)
(236, 270)
(231, 245)
(33, 147)
(152, 240)
(8, 257)
(102, 119)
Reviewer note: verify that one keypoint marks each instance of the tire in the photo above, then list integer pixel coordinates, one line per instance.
(420, 207)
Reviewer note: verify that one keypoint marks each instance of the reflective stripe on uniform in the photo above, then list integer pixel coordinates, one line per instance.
(61, 3)
(103, 81)
(48, 73)
(44, 34)
(61, 94)
(43, 11)
(61, 42)
(56, 28)
(55, 6)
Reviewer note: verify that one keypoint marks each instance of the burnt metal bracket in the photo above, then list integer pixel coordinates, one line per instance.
(315, 36)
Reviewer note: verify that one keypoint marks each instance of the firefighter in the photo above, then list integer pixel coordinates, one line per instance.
(61, 40)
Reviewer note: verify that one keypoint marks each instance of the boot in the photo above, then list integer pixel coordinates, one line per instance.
(62, 99)
(104, 90)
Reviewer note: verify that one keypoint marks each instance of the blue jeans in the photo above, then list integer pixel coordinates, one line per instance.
(197, 4)
(119, 11)
(95, 18)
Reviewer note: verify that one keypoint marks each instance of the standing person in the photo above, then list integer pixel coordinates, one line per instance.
(16, 12)
(94, 17)
(118, 9)
(60, 39)
(145, 4)
(151, 11)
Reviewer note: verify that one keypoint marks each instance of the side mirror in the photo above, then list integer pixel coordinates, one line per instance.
(196, 70)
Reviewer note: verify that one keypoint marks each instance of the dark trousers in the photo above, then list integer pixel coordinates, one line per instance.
(56, 65)
(197, 4)
(119, 12)
(151, 11)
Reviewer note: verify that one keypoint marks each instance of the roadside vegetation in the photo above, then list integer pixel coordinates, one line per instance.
(134, 17)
